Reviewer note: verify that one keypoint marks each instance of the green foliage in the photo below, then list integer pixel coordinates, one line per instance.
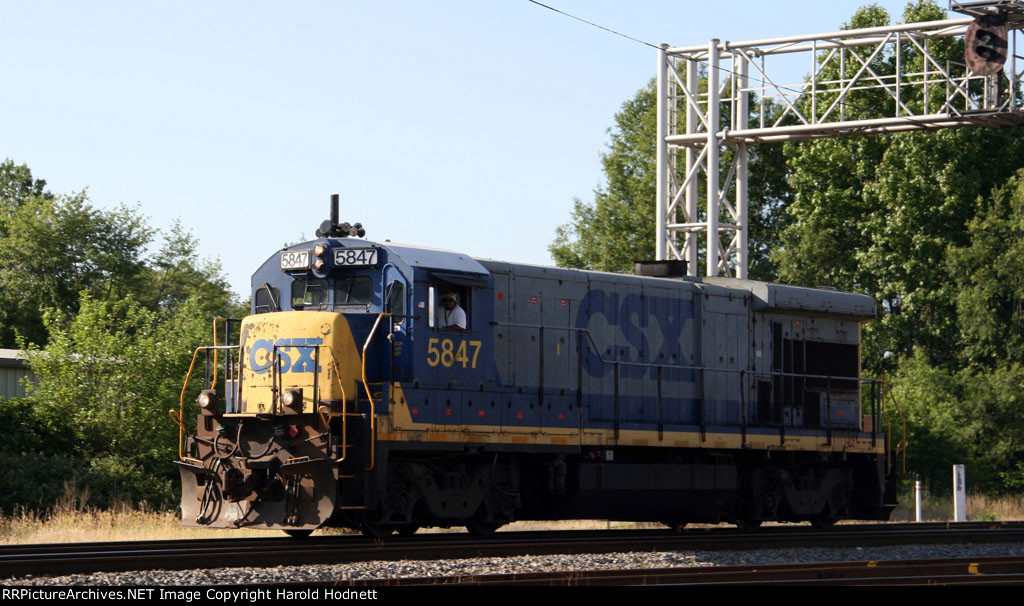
(876, 214)
(55, 247)
(989, 273)
(105, 383)
(111, 373)
(36, 480)
(962, 417)
(17, 186)
(110, 331)
(176, 274)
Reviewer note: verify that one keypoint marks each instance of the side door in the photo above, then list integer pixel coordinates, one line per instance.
(397, 302)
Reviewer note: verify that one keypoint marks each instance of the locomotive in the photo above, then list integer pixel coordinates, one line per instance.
(567, 394)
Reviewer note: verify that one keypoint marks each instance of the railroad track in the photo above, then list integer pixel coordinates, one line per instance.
(69, 558)
(959, 571)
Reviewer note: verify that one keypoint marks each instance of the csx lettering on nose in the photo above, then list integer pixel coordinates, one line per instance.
(295, 355)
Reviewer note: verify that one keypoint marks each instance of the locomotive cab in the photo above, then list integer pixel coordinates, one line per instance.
(293, 442)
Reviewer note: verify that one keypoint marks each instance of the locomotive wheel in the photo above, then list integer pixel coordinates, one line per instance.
(406, 530)
(377, 531)
(298, 533)
(482, 529)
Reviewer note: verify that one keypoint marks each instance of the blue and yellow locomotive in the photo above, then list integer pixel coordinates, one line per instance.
(568, 394)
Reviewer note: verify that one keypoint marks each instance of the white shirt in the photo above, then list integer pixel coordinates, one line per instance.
(455, 317)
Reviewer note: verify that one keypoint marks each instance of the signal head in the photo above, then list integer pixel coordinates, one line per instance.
(985, 45)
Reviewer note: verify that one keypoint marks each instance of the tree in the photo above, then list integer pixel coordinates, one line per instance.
(875, 214)
(110, 332)
(176, 274)
(56, 247)
(17, 186)
(104, 384)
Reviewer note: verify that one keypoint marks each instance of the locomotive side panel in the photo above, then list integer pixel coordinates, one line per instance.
(726, 343)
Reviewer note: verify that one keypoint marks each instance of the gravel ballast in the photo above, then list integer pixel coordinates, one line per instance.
(384, 570)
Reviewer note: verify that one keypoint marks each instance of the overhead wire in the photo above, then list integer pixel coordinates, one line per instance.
(717, 67)
(560, 12)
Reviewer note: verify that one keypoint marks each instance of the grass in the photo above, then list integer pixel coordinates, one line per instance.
(979, 508)
(70, 521)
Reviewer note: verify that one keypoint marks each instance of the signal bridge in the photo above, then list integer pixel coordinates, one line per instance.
(925, 83)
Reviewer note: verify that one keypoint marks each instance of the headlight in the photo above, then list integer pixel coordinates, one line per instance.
(292, 398)
(319, 250)
(207, 399)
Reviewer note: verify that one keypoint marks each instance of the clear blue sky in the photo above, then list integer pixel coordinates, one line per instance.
(468, 125)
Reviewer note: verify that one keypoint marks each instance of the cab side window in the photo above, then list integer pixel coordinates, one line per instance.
(268, 299)
(452, 307)
(395, 297)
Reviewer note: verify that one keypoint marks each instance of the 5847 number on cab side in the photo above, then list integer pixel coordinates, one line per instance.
(446, 353)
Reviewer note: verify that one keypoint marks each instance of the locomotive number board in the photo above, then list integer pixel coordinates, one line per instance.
(354, 257)
(295, 259)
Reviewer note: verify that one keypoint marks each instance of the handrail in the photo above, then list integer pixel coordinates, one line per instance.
(227, 332)
(601, 359)
(741, 372)
(176, 419)
(179, 421)
(344, 413)
(369, 395)
(902, 445)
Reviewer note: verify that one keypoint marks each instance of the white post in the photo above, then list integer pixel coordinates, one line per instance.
(661, 206)
(959, 494)
(713, 154)
(692, 191)
(742, 119)
(917, 499)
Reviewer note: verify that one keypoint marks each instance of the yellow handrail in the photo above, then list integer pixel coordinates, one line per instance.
(176, 419)
(902, 445)
(179, 418)
(181, 406)
(369, 396)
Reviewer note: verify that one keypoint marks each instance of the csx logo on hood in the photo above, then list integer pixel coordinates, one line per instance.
(296, 355)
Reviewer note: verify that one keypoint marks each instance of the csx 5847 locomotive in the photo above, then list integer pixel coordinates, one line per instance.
(570, 394)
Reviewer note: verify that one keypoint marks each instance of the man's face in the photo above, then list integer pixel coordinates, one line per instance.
(449, 304)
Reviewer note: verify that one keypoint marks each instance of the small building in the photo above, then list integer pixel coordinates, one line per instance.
(13, 371)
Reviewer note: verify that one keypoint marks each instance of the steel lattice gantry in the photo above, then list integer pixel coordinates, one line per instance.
(714, 96)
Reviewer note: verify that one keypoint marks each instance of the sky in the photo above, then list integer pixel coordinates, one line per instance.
(457, 124)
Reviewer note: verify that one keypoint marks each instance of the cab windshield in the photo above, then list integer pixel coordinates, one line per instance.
(315, 294)
(353, 290)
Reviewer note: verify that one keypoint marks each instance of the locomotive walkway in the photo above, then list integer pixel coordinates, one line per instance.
(58, 559)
